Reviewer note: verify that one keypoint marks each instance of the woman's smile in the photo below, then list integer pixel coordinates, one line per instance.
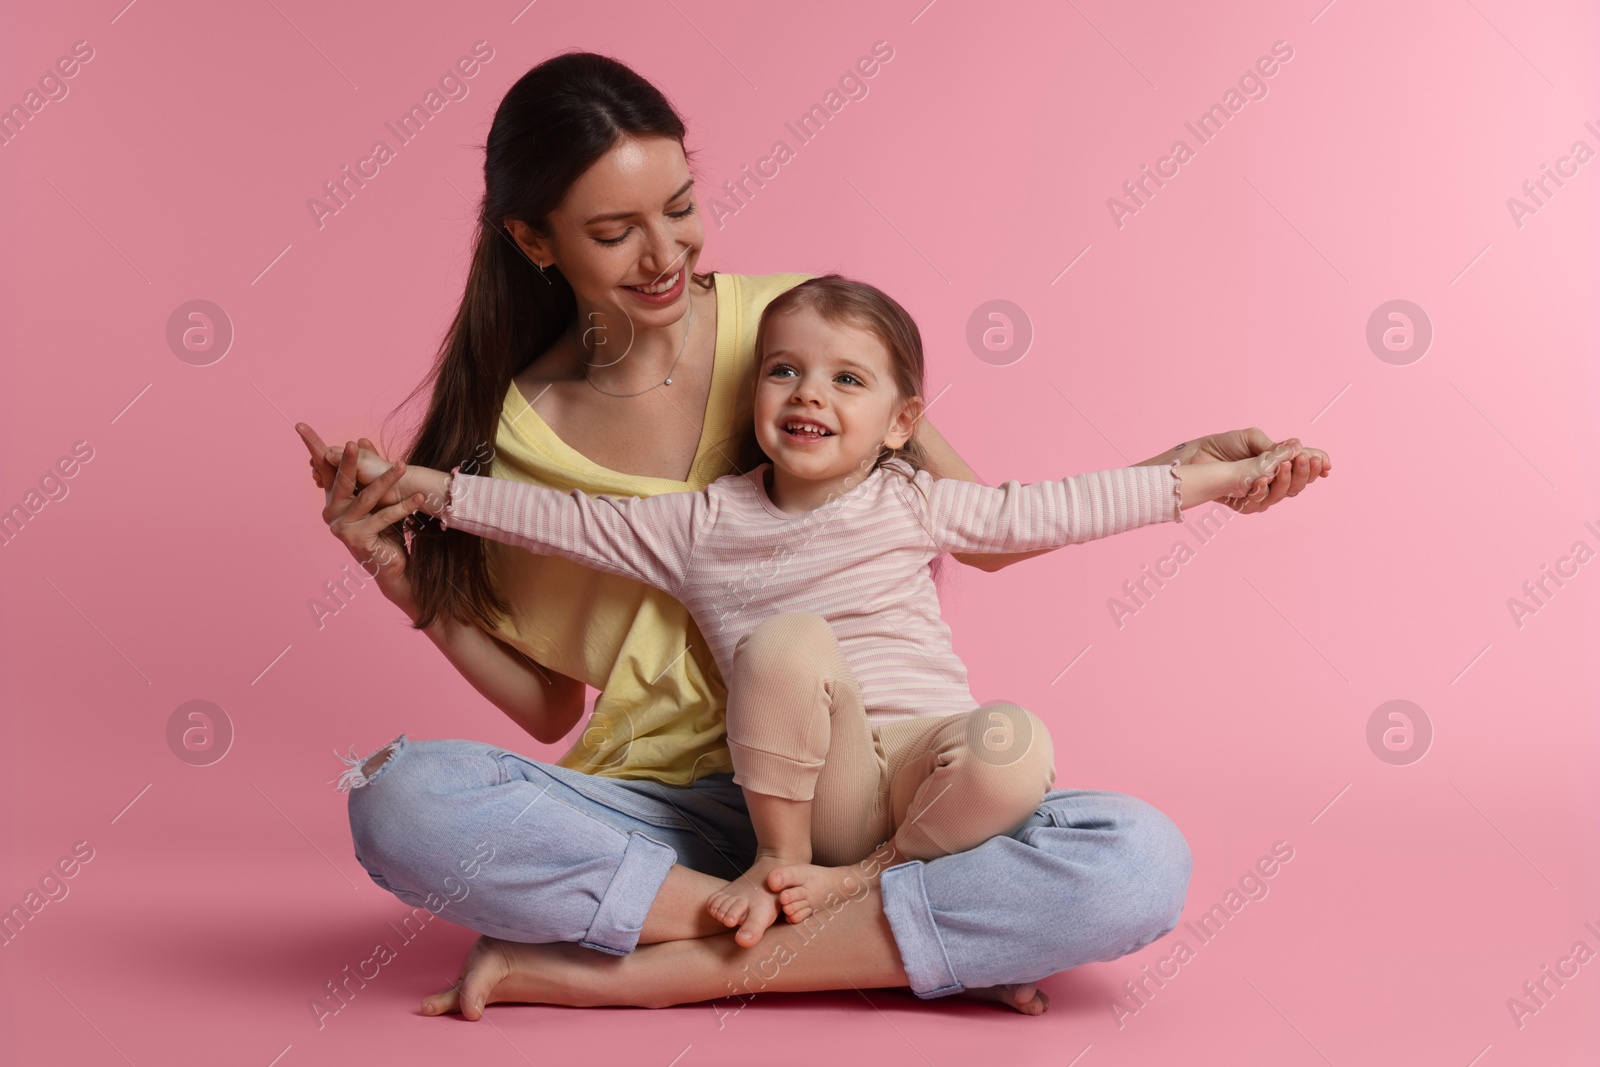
(661, 292)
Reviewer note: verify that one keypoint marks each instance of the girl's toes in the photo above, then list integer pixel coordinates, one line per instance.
(795, 903)
(797, 913)
(780, 878)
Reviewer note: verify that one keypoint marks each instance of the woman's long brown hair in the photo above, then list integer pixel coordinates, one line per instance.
(551, 126)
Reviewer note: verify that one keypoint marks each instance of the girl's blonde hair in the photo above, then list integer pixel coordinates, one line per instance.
(842, 300)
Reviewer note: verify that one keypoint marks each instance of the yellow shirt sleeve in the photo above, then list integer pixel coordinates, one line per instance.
(660, 710)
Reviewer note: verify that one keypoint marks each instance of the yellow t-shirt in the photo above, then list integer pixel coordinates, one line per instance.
(660, 710)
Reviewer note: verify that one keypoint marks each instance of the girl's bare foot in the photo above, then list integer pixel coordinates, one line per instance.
(746, 902)
(804, 888)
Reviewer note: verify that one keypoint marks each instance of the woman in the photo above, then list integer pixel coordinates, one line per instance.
(591, 356)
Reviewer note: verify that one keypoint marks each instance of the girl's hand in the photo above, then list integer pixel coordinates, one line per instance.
(1238, 484)
(325, 461)
(1290, 477)
(1250, 480)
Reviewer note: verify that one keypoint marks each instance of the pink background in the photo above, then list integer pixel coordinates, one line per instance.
(978, 167)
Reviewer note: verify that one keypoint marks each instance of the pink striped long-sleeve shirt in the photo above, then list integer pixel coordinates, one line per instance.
(860, 560)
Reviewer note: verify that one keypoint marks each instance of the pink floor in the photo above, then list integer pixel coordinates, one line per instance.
(209, 905)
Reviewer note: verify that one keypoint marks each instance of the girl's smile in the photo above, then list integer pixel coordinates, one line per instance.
(826, 405)
(806, 430)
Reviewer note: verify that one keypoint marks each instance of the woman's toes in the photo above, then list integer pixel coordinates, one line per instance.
(442, 1003)
(475, 990)
(1025, 997)
(487, 966)
(1029, 999)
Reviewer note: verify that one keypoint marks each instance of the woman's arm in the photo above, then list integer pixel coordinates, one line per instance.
(1175, 452)
(541, 701)
(544, 703)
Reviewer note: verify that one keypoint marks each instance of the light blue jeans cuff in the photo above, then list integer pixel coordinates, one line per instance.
(620, 917)
(905, 902)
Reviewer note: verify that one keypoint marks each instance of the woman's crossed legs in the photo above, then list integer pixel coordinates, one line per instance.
(591, 890)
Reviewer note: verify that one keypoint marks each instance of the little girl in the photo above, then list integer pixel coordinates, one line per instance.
(849, 718)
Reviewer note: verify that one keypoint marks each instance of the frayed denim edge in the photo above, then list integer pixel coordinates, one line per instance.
(352, 776)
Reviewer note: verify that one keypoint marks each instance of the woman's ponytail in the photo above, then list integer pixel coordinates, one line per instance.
(551, 126)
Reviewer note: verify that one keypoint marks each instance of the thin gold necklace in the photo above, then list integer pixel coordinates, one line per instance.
(688, 323)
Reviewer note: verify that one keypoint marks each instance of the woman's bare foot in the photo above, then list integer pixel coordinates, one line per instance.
(499, 971)
(1025, 997)
(747, 902)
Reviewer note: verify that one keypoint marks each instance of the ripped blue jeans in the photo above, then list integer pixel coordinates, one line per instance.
(534, 852)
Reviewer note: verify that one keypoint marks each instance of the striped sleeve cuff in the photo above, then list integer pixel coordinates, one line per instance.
(452, 495)
(1174, 486)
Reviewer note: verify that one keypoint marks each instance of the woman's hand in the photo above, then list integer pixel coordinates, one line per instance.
(365, 532)
(1238, 483)
(379, 551)
(1290, 477)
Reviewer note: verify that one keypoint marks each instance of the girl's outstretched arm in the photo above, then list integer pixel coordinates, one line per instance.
(1288, 480)
(944, 462)
(649, 539)
(966, 517)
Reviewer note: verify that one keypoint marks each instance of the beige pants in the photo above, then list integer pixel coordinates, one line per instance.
(940, 785)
